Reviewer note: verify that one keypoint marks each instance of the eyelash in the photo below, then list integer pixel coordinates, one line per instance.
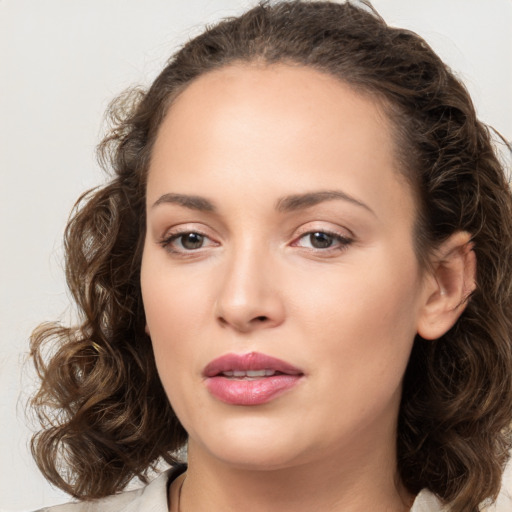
(166, 242)
(342, 240)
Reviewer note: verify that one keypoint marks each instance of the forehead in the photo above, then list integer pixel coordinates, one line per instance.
(244, 125)
(279, 98)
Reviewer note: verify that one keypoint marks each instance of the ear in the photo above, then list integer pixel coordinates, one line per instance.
(450, 282)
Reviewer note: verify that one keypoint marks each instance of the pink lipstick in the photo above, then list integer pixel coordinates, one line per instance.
(249, 379)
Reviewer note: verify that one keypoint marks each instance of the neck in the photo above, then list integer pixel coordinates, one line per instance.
(358, 479)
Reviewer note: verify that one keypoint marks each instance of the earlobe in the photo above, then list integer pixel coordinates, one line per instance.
(451, 281)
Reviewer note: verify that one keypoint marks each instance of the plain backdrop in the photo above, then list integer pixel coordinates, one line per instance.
(61, 62)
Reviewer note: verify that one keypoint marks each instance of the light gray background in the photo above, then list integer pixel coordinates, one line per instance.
(61, 61)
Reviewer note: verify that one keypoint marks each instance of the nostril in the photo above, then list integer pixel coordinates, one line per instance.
(261, 318)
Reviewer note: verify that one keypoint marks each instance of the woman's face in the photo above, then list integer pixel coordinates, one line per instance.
(279, 279)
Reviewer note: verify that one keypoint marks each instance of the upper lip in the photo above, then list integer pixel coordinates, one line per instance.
(249, 361)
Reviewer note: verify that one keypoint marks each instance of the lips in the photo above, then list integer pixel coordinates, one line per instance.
(249, 379)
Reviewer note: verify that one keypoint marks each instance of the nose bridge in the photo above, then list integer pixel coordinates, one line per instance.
(247, 295)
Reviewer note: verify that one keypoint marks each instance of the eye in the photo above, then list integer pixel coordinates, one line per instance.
(322, 240)
(188, 241)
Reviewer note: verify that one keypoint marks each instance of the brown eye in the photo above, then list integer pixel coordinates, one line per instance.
(191, 241)
(186, 242)
(320, 240)
(323, 242)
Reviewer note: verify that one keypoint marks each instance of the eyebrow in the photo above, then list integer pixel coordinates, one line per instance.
(303, 201)
(284, 204)
(187, 201)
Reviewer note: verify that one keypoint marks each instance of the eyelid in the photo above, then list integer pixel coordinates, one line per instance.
(344, 239)
(332, 234)
(176, 232)
(321, 227)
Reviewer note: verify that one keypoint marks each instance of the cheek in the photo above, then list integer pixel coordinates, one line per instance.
(174, 300)
(176, 304)
(375, 294)
(364, 319)
(172, 307)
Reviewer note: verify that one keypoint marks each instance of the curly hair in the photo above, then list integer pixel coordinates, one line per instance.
(104, 413)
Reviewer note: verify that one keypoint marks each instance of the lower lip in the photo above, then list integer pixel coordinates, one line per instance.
(250, 392)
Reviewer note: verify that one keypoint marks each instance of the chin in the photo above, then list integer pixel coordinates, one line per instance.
(255, 458)
(255, 447)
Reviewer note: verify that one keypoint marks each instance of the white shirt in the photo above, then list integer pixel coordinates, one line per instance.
(153, 498)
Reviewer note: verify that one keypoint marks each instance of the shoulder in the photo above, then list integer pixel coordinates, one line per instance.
(151, 498)
(116, 503)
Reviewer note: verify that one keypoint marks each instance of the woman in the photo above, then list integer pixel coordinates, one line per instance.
(301, 270)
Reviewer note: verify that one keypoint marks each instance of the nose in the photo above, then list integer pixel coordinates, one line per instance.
(249, 297)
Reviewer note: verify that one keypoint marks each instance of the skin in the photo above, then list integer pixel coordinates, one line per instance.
(243, 138)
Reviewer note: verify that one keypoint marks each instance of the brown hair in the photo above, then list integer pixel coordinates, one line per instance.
(105, 415)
